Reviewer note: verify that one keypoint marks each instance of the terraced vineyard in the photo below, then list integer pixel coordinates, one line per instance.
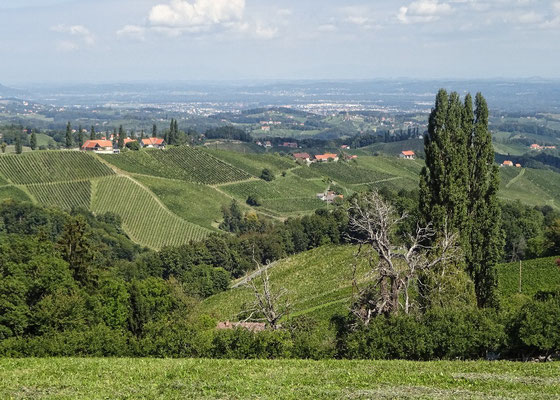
(537, 274)
(293, 205)
(200, 166)
(255, 163)
(51, 166)
(65, 195)
(184, 163)
(145, 220)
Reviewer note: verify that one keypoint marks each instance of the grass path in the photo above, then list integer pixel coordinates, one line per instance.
(515, 178)
(113, 378)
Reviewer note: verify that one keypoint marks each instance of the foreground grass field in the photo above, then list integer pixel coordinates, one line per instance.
(283, 379)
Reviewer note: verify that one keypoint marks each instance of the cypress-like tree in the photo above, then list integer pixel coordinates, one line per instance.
(458, 186)
(19, 148)
(142, 134)
(33, 141)
(68, 135)
(154, 130)
(121, 137)
(92, 135)
(80, 137)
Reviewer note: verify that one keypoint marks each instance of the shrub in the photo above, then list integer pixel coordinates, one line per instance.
(253, 200)
(267, 175)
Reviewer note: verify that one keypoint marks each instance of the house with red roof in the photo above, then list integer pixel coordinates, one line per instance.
(302, 157)
(507, 163)
(128, 140)
(99, 146)
(326, 157)
(153, 143)
(407, 154)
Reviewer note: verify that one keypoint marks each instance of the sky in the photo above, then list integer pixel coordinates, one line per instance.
(59, 41)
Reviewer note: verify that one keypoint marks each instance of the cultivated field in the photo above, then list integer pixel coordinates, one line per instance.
(65, 195)
(71, 378)
(144, 218)
(51, 166)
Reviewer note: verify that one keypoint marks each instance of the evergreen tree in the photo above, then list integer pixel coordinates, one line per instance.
(80, 137)
(19, 148)
(33, 141)
(92, 135)
(121, 137)
(142, 134)
(459, 184)
(3, 147)
(114, 136)
(68, 135)
(154, 130)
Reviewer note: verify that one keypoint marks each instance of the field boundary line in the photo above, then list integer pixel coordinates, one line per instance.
(515, 178)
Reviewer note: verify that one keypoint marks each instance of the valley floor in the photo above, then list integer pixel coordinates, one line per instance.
(73, 378)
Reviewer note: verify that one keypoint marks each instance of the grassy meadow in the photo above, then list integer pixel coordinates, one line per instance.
(73, 378)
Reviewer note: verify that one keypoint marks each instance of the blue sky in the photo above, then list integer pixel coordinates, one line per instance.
(125, 40)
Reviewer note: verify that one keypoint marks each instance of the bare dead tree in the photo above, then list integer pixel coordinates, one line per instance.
(269, 305)
(373, 222)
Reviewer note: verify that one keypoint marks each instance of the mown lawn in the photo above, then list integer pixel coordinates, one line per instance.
(72, 378)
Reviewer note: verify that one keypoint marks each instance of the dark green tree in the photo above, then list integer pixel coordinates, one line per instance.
(3, 147)
(33, 141)
(121, 137)
(458, 186)
(80, 137)
(142, 134)
(154, 130)
(69, 140)
(92, 135)
(19, 148)
(267, 175)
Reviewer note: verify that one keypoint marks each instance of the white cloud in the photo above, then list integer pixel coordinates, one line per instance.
(67, 46)
(76, 30)
(327, 28)
(197, 15)
(423, 11)
(132, 31)
(265, 31)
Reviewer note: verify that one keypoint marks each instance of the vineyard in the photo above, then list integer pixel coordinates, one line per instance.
(51, 166)
(348, 173)
(199, 204)
(306, 172)
(183, 163)
(3, 181)
(537, 274)
(255, 163)
(145, 220)
(293, 205)
(200, 166)
(65, 195)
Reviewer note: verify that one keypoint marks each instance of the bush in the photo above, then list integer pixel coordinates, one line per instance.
(253, 200)
(267, 175)
(133, 146)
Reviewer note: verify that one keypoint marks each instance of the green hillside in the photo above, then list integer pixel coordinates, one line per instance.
(51, 166)
(537, 274)
(318, 283)
(144, 218)
(187, 185)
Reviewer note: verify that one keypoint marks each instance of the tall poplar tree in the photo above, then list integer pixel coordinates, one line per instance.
(68, 135)
(121, 137)
(19, 148)
(458, 186)
(154, 130)
(33, 141)
(92, 135)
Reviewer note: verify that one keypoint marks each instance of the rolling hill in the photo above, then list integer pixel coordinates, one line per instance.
(319, 283)
(185, 188)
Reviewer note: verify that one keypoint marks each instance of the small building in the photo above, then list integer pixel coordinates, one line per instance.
(293, 145)
(99, 146)
(535, 146)
(153, 143)
(329, 196)
(303, 157)
(267, 144)
(407, 154)
(517, 165)
(350, 157)
(345, 147)
(128, 140)
(265, 128)
(507, 163)
(326, 157)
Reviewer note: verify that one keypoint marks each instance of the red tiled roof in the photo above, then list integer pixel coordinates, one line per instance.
(326, 156)
(92, 144)
(152, 141)
(128, 140)
(407, 153)
(301, 155)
